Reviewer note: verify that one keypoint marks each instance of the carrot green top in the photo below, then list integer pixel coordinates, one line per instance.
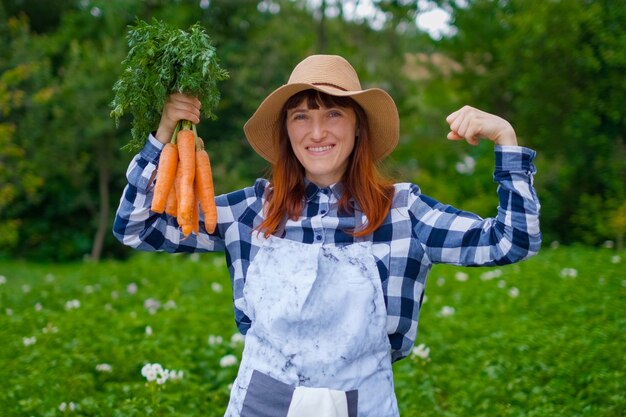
(162, 60)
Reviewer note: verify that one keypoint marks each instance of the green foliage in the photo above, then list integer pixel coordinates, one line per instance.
(19, 180)
(555, 70)
(540, 338)
(163, 60)
(82, 316)
(66, 137)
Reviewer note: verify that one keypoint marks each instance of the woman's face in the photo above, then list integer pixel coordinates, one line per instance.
(322, 139)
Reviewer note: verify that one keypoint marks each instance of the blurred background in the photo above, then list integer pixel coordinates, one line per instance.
(554, 69)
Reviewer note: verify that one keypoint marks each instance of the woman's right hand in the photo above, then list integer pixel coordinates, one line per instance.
(177, 107)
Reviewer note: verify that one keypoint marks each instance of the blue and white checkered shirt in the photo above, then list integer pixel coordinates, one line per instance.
(418, 232)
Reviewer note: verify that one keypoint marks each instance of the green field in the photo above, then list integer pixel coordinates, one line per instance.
(541, 338)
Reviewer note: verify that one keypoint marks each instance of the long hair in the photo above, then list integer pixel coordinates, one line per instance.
(363, 182)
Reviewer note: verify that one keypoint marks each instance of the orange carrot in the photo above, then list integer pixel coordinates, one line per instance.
(187, 229)
(204, 188)
(191, 226)
(166, 172)
(196, 217)
(171, 207)
(186, 142)
(184, 224)
(177, 185)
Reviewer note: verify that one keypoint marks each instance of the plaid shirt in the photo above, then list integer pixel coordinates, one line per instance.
(418, 232)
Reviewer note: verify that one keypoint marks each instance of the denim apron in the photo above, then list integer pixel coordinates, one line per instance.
(318, 344)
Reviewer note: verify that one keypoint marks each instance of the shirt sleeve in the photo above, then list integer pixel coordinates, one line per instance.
(138, 227)
(458, 237)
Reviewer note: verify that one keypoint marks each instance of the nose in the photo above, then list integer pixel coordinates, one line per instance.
(318, 131)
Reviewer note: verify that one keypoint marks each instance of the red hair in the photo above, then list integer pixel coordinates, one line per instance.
(362, 180)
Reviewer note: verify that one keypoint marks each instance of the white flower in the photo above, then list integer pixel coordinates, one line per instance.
(26, 288)
(155, 372)
(461, 276)
(608, 244)
(513, 292)
(162, 377)
(228, 360)
(28, 341)
(151, 305)
(152, 371)
(176, 375)
(194, 257)
(501, 283)
(131, 288)
(8, 311)
(148, 372)
(569, 272)
(466, 166)
(148, 331)
(441, 281)
(67, 406)
(50, 278)
(616, 259)
(489, 275)
(237, 338)
(421, 351)
(72, 304)
(447, 311)
(218, 262)
(3, 280)
(89, 289)
(104, 367)
(50, 328)
(215, 340)
(170, 305)
(38, 307)
(216, 287)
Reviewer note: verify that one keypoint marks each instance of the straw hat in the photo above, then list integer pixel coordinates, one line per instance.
(330, 74)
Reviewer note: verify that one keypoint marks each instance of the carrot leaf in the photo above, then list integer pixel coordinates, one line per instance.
(161, 60)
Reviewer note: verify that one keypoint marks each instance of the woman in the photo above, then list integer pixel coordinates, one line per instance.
(328, 260)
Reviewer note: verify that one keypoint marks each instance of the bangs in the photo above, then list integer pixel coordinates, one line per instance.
(316, 99)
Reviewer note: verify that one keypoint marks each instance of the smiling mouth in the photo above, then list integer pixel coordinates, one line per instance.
(320, 149)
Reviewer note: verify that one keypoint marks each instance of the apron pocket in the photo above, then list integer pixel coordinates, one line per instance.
(269, 397)
(266, 397)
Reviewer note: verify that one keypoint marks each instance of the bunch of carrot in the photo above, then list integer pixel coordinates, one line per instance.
(184, 181)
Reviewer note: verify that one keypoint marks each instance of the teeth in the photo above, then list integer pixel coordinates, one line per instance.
(320, 148)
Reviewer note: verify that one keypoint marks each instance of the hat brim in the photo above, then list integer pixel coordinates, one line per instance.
(262, 128)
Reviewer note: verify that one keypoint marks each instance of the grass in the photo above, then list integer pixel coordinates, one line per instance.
(541, 338)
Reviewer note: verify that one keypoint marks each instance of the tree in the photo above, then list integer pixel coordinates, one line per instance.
(20, 181)
(555, 70)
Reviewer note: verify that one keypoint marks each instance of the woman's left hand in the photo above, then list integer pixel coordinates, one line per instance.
(471, 124)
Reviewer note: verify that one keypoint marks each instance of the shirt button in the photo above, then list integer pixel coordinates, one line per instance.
(318, 237)
(325, 191)
(323, 211)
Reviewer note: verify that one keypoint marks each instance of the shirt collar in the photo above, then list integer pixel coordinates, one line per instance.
(311, 190)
